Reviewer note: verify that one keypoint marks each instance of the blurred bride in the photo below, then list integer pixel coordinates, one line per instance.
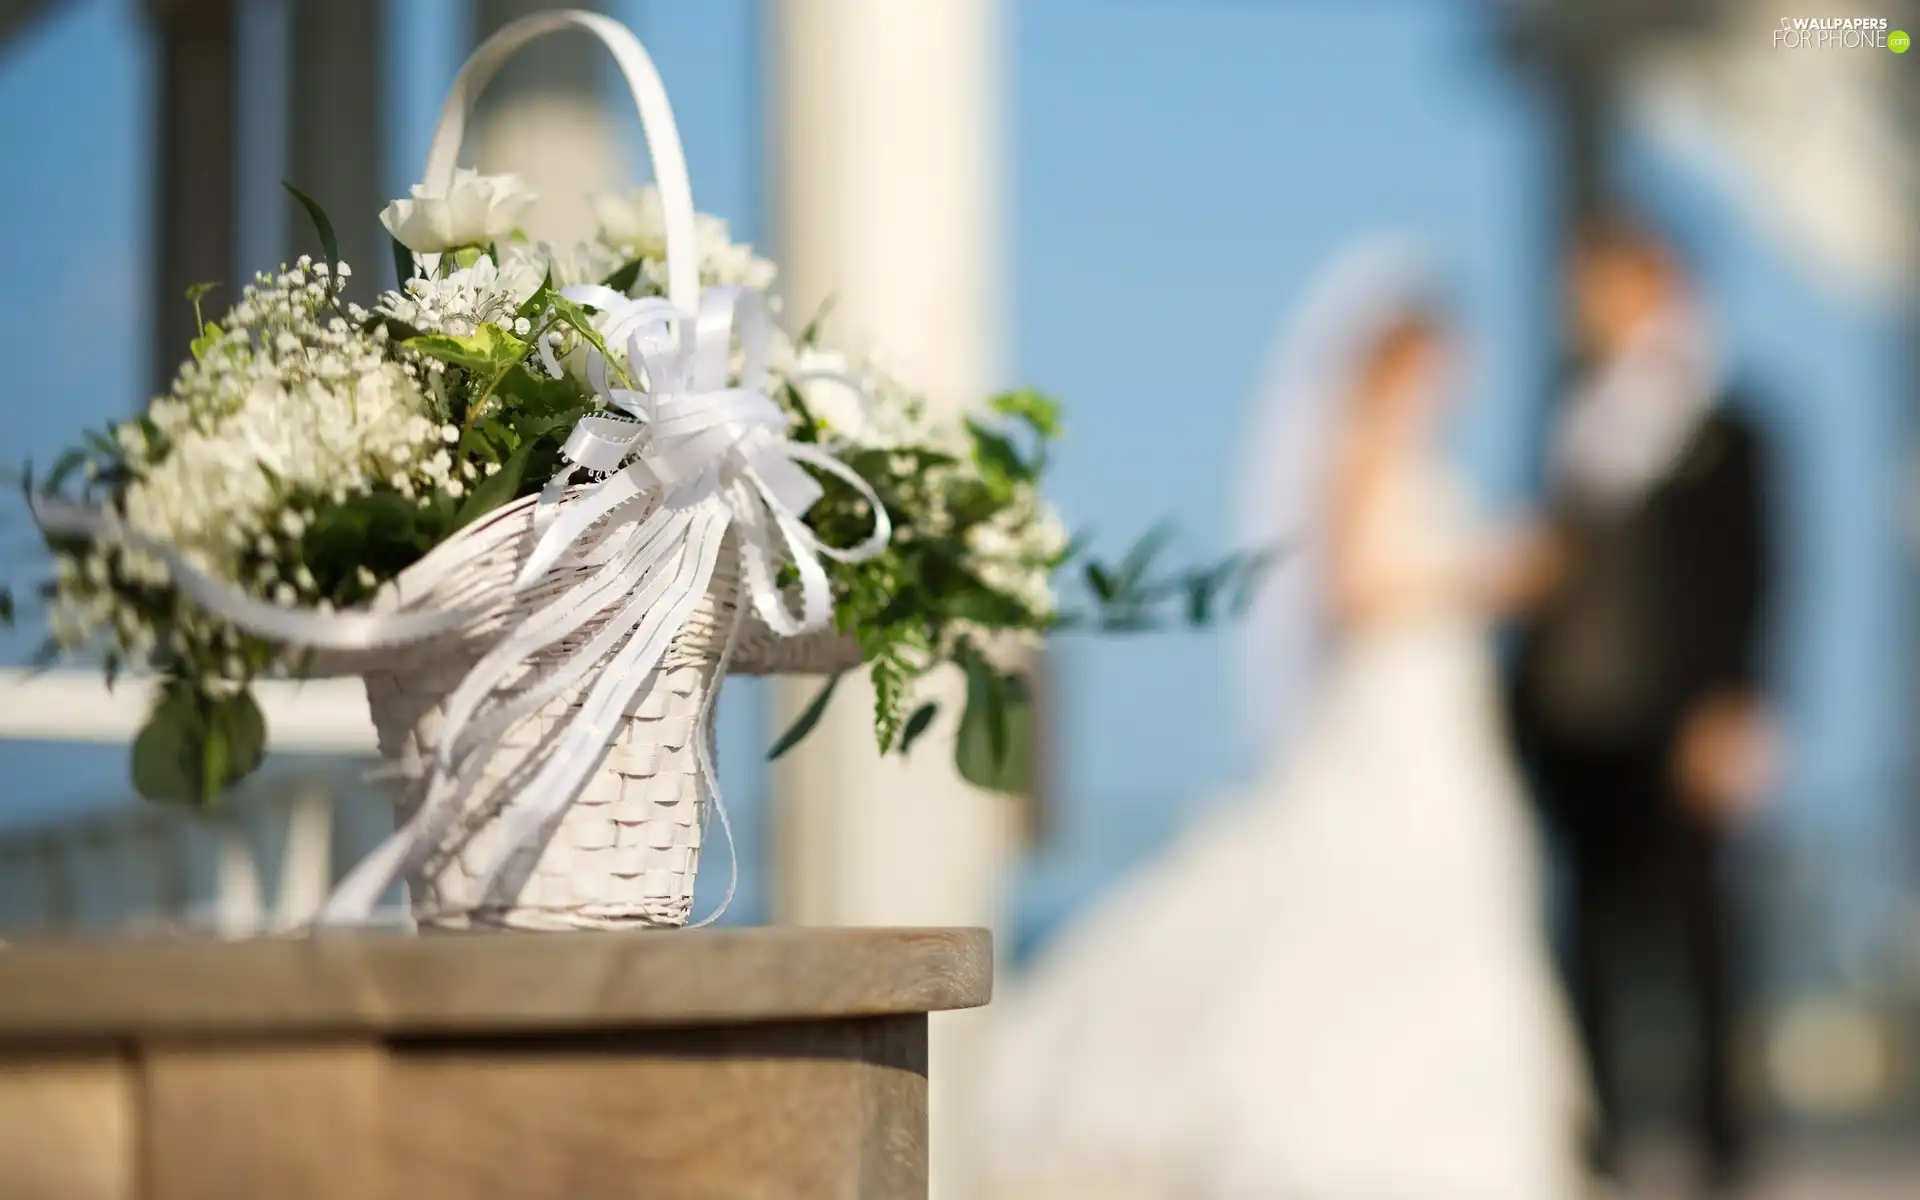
(1337, 988)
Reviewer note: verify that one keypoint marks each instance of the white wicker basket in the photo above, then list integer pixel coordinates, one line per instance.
(624, 854)
(626, 850)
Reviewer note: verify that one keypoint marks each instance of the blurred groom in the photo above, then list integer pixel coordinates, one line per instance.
(1637, 690)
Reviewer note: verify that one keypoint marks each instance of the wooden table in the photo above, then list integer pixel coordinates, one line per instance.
(732, 1063)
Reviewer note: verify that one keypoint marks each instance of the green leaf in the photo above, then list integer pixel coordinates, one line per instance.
(891, 674)
(499, 431)
(539, 400)
(398, 331)
(1204, 588)
(210, 335)
(986, 707)
(6, 606)
(403, 264)
(581, 319)
(808, 718)
(1133, 568)
(1201, 587)
(1075, 547)
(1101, 583)
(101, 445)
(63, 468)
(166, 758)
(622, 280)
(496, 489)
(917, 724)
(537, 303)
(194, 746)
(45, 655)
(329, 244)
(489, 350)
(998, 457)
(995, 747)
(195, 293)
(1040, 412)
(213, 763)
(811, 332)
(238, 728)
(1251, 576)
(807, 428)
(984, 606)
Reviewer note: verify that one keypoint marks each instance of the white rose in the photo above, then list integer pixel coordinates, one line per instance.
(588, 262)
(477, 209)
(634, 220)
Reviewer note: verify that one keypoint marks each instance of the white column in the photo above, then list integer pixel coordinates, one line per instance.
(306, 856)
(884, 126)
(237, 906)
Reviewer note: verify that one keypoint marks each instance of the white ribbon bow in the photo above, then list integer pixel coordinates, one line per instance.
(716, 457)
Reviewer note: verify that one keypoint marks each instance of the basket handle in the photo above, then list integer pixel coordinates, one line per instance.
(656, 123)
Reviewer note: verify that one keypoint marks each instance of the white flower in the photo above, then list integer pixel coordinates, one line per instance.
(636, 219)
(463, 300)
(477, 209)
(636, 223)
(242, 430)
(589, 262)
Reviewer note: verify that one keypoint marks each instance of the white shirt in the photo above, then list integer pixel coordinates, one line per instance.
(1627, 425)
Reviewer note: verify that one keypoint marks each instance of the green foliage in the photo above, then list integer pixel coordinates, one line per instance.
(893, 672)
(575, 316)
(499, 488)
(809, 334)
(6, 607)
(917, 724)
(488, 351)
(195, 745)
(381, 531)
(403, 264)
(63, 469)
(329, 244)
(908, 606)
(1132, 597)
(1039, 411)
(209, 332)
(622, 280)
(209, 338)
(488, 356)
(808, 718)
(994, 749)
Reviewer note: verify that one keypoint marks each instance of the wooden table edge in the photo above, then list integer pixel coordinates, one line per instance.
(399, 985)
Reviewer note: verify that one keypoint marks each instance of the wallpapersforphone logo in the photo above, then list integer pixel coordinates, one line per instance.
(1839, 33)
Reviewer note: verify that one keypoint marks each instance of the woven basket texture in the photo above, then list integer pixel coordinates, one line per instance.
(626, 851)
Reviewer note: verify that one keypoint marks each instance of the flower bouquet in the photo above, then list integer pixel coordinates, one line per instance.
(543, 501)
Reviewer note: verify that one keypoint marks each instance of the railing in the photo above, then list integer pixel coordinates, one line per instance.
(263, 860)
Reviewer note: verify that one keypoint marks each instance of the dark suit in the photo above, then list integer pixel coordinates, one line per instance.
(1662, 607)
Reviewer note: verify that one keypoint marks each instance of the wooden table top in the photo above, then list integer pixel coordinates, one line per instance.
(393, 983)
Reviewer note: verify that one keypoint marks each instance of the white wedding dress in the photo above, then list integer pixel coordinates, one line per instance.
(1336, 989)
